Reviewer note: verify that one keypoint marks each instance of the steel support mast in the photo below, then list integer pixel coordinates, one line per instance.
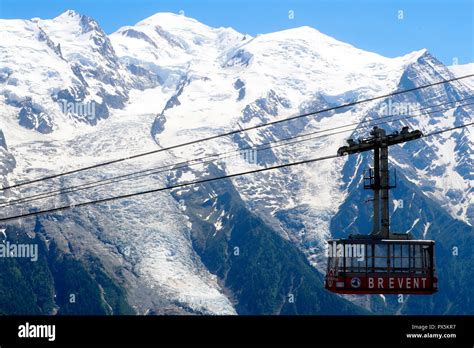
(378, 178)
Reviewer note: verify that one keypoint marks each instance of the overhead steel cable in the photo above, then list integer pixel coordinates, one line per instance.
(447, 130)
(192, 142)
(196, 182)
(104, 200)
(214, 157)
(219, 156)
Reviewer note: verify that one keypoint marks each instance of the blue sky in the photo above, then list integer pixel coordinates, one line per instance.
(445, 28)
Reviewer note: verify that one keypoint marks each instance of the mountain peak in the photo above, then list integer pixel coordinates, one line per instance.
(305, 29)
(171, 20)
(417, 54)
(68, 14)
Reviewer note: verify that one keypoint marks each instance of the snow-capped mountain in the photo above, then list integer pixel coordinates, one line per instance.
(463, 70)
(212, 248)
(74, 63)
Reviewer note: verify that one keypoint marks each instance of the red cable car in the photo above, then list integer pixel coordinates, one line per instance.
(381, 266)
(382, 262)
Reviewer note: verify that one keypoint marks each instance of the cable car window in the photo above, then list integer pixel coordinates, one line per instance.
(418, 258)
(368, 250)
(397, 258)
(381, 264)
(405, 261)
(370, 260)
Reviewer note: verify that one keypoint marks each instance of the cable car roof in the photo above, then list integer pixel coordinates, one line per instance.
(380, 241)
